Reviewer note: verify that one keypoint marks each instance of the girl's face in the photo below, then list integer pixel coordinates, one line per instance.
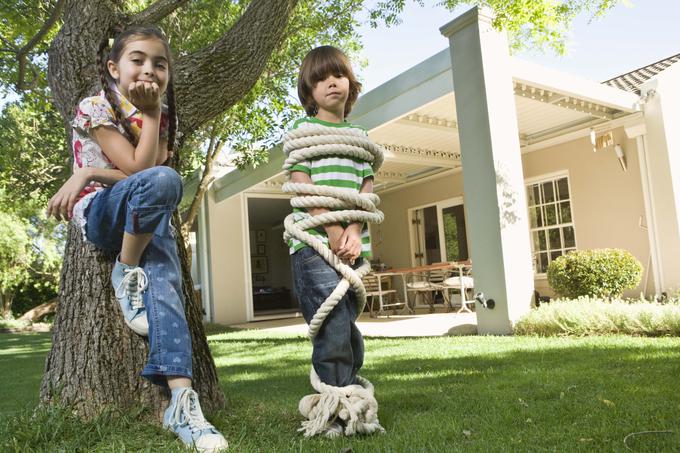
(142, 60)
(331, 94)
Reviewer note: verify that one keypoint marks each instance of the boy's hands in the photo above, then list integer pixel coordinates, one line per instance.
(146, 96)
(61, 204)
(334, 231)
(350, 243)
(345, 242)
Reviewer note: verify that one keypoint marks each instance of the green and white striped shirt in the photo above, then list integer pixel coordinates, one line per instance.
(336, 171)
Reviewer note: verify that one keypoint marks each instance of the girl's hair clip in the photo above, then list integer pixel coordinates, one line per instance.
(110, 42)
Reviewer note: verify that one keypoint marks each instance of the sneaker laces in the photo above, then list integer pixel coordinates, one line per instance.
(188, 412)
(132, 285)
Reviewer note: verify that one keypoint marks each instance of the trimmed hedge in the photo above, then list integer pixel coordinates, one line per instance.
(588, 316)
(594, 273)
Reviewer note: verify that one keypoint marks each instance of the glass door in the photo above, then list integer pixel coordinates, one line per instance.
(438, 233)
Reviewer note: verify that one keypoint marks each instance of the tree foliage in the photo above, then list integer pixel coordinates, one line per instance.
(30, 254)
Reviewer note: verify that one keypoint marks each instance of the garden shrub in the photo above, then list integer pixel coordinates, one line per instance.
(591, 316)
(594, 273)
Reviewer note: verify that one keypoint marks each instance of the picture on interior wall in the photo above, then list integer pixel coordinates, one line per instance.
(259, 264)
(260, 236)
(261, 249)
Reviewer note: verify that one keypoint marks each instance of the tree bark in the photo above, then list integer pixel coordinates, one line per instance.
(95, 359)
(234, 63)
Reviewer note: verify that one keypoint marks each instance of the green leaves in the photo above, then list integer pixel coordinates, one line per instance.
(595, 273)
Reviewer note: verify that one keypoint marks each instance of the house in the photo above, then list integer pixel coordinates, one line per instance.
(488, 157)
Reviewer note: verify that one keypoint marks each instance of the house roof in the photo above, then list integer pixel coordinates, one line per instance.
(633, 80)
(413, 117)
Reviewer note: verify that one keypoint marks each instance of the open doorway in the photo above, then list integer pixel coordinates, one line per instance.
(271, 276)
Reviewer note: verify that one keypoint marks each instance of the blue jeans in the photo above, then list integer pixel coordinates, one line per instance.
(338, 348)
(144, 203)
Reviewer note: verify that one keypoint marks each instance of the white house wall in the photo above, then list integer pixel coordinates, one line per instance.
(607, 203)
(228, 236)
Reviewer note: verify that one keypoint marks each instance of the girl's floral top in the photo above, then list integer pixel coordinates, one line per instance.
(93, 112)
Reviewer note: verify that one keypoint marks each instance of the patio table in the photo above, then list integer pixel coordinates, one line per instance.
(403, 271)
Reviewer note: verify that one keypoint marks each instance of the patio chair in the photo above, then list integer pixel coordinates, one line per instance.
(426, 285)
(461, 282)
(375, 291)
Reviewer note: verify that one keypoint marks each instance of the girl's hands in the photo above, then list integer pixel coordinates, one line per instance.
(61, 204)
(146, 96)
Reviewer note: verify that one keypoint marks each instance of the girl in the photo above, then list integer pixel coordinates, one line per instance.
(123, 200)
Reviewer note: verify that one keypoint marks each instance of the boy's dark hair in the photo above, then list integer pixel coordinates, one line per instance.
(318, 64)
(104, 54)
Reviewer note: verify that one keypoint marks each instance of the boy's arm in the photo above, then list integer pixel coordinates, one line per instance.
(351, 240)
(333, 230)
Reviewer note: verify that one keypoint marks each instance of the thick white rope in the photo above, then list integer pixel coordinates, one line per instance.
(355, 405)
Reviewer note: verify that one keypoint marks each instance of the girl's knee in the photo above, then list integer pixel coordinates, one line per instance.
(163, 186)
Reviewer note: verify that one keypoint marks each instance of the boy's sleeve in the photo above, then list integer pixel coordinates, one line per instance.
(302, 166)
(93, 112)
(368, 171)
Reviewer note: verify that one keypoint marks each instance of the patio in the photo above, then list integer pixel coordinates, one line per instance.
(421, 324)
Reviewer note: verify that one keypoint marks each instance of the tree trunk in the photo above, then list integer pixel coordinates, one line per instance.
(96, 360)
(7, 305)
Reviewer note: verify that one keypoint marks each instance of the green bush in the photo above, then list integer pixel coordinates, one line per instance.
(594, 273)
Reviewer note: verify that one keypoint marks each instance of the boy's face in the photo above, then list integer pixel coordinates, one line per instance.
(331, 94)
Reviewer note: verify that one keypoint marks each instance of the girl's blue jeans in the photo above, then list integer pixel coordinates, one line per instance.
(144, 203)
(338, 348)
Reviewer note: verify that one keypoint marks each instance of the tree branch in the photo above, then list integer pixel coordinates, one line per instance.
(22, 53)
(156, 12)
(207, 178)
(211, 80)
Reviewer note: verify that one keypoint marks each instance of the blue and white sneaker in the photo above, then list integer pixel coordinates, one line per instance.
(184, 417)
(129, 283)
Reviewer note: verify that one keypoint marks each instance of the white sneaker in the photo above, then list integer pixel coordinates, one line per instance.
(129, 283)
(185, 418)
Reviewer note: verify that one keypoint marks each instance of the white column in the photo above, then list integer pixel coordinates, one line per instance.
(495, 198)
(662, 147)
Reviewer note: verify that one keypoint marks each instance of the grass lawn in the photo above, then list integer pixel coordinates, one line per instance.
(435, 394)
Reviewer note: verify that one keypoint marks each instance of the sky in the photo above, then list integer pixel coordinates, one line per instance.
(625, 39)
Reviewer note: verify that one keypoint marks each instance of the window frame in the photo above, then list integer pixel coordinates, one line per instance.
(540, 179)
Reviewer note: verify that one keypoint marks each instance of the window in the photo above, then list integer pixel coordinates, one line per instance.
(550, 220)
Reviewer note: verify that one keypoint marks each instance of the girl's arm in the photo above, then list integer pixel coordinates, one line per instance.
(333, 230)
(118, 148)
(61, 204)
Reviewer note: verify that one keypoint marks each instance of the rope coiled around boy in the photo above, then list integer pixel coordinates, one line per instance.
(354, 404)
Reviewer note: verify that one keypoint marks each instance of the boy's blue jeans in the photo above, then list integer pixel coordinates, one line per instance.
(338, 347)
(144, 203)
